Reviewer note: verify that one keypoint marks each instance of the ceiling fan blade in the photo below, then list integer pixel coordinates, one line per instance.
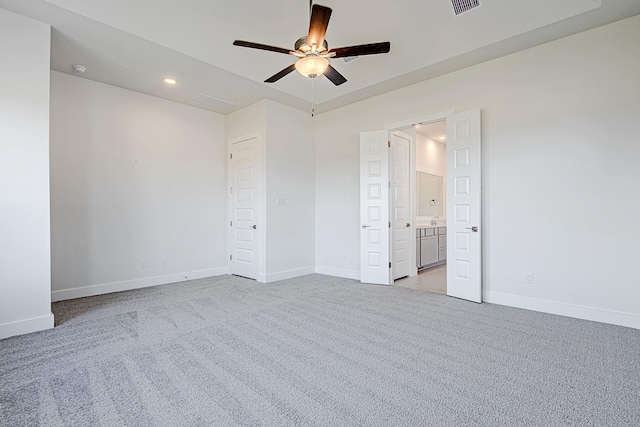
(318, 26)
(335, 77)
(281, 74)
(363, 49)
(261, 46)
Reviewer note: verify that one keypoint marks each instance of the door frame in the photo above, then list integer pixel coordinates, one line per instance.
(392, 127)
(260, 203)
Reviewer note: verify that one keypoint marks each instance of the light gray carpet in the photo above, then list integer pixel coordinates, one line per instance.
(315, 350)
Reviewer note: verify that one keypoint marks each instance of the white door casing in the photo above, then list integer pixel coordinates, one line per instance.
(464, 234)
(244, 208)
(375, 263)
(401, 238)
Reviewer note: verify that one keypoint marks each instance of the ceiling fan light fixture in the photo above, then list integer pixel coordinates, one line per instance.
(312, 66)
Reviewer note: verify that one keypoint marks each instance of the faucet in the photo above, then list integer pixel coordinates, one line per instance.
(434, 220)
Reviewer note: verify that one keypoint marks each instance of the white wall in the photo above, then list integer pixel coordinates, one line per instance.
(252, 121)
(290, 173)
(133, 178)
(431, 156)
(25, 256)
(246, 121)
(560, 171)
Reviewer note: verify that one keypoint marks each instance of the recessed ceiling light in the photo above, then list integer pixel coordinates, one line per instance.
(170, 81)
(79, 68)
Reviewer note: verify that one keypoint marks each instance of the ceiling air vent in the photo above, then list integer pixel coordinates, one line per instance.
(461, 6)
(210, 101)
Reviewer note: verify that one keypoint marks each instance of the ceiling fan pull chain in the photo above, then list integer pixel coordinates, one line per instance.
(313, 110)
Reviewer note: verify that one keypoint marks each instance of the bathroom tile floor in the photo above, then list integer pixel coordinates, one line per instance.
(429, 280)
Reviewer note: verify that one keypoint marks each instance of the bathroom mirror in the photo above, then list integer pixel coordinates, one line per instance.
(430, 192)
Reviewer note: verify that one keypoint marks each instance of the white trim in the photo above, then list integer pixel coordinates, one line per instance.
(630, 320)
(338, 272)
(26, 326)
(429, 171)
(435, 117)
(126, 285)
(287, 274)
(243, 138)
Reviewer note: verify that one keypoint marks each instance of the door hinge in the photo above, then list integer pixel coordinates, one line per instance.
(231, 156)
(389, 264)
(230, 223)
(230, 189)
(230, 257)
(389, 144)
(389, 224)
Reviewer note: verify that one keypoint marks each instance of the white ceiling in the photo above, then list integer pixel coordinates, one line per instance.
(134, 44)
(436, 131)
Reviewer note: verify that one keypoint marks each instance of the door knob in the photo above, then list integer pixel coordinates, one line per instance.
(253, 226)
(474, 228)
(365, 226)
(408, 225)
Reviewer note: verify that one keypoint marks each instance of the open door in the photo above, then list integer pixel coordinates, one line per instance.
(402, 240)
(464, 234)
(375, 260)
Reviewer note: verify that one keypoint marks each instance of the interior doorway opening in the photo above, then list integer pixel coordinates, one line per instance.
(378, 212)
(428, 197)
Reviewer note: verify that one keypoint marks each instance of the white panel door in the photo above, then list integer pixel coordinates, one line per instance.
(401, 239)
(244, 236)
(464, 235)
(375, 263)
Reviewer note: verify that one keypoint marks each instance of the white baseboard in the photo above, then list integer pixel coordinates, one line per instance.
(338, 272)
(127, 285)
(564, 309)
(287, 274)
(26, 326)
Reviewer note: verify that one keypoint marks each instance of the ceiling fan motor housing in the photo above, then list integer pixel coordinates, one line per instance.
(302, 46)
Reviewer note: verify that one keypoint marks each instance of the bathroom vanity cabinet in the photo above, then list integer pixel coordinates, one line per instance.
(431, 246)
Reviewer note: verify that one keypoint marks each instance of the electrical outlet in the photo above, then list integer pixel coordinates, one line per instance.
(163, 262)
(143, 263)
(528, 278)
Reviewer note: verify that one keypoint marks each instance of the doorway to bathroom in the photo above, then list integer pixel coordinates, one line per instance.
(389, 231)
(429, 199)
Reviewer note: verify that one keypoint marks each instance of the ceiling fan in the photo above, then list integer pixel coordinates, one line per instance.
(313, 51)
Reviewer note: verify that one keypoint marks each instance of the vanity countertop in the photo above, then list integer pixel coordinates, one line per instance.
(428, 225)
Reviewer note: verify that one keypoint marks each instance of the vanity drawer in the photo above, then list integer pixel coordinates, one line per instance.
(429, 232)
(442, 230)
